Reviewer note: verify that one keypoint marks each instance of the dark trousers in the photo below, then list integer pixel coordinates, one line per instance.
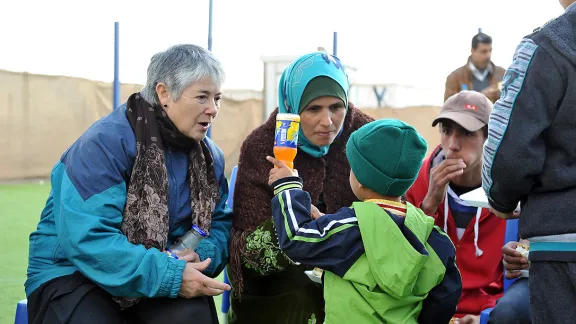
(514, 306)
(553, 292)
(75, 299)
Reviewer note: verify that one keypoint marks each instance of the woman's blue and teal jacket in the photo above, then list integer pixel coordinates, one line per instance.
(79, 228)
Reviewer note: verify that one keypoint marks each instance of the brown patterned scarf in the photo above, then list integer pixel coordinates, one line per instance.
(145, 219)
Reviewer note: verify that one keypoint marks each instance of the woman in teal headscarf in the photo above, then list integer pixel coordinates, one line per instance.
(267, 286)
(313, 76)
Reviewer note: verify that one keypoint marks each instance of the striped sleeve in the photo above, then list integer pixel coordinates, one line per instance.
(515, 150)
(331, 242)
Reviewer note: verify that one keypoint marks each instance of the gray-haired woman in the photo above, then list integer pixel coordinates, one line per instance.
(123, 192)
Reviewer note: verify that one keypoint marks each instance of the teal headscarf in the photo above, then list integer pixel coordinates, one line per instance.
(294, 81)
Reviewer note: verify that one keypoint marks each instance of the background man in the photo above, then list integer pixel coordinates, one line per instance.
(479, 73)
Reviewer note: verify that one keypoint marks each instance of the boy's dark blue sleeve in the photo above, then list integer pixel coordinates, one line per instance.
(332, 242)
(440, 304)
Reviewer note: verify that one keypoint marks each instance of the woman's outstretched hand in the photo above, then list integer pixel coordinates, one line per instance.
(195, 284)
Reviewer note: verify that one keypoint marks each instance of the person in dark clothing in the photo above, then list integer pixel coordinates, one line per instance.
(529, 158)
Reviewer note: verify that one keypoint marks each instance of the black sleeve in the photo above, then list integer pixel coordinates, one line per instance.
(440, 304)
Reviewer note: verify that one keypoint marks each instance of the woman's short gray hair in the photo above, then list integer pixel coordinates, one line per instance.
(179, 67)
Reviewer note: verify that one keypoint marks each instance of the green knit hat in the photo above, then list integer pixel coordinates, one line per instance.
(386, 155)
(322, 86)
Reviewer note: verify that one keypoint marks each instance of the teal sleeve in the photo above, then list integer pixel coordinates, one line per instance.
(89, 234)
(215, 246)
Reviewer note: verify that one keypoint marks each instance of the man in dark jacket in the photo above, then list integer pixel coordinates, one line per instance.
(479, 73)
(529, 157)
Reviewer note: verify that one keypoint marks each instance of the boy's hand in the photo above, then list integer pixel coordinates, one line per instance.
(468, 319)
(513, 260)
(505, 216)
(315, 213)
(280, 171)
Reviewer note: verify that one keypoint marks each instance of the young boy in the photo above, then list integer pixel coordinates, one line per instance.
(384, 260)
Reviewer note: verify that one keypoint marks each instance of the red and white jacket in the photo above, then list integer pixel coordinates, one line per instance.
(478, 252)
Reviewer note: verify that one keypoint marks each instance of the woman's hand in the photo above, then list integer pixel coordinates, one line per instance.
(190, 257)
(195, 284)
(280, 171)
